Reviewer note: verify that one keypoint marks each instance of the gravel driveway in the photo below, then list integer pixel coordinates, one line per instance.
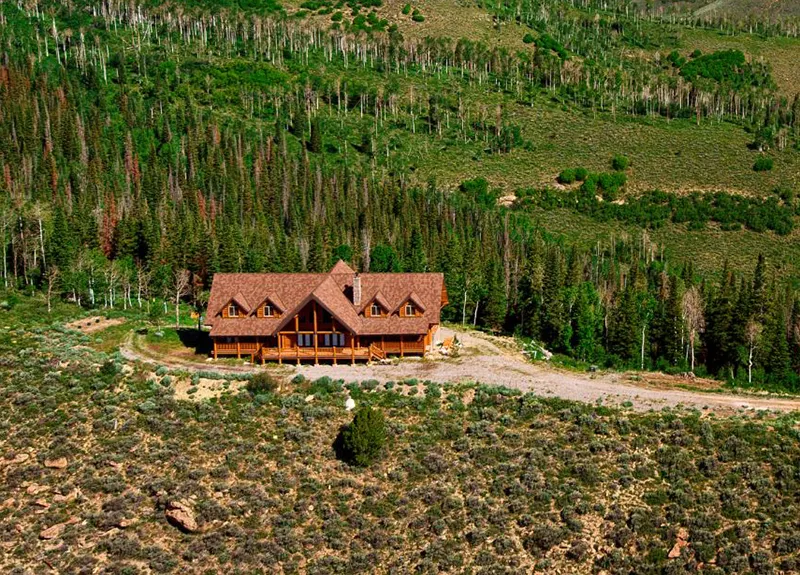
(484, 360)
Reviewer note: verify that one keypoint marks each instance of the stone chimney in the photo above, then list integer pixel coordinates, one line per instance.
(356, 290)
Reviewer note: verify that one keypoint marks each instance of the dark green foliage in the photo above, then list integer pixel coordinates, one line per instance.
(528, 38)
(620, 163)
(383, 258)
(363, 440)
(728, 66)
(654, 208)
(315, 143)
(547, 42)
(763, 164)
(567, 176)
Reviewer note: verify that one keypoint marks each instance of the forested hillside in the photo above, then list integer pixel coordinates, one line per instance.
(139, 142)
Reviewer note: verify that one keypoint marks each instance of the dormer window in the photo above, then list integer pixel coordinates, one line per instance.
(233, 311)
(375, 310)
(410, 309)
(267, 310)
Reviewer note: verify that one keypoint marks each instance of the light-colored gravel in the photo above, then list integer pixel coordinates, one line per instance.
(487, 360)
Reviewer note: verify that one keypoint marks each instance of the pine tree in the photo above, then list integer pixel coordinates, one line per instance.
(623, 329)
(417, 260)
(383, 258)
(494, 309)
(315, 143)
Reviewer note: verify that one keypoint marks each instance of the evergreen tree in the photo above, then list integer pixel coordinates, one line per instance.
(417, 260)
(315, 143)
(623, 328)
(383, 258)
(494, 310)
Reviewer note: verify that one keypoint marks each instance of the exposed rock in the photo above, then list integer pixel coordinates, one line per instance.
(53, 531)
(59, 463)
(309, 398)
(16, 460)
(181, 515)
(683, 541)
(71, 496)
(350, 404)
(124, 523)
(10, 502)
(34, 489)
(42, 503)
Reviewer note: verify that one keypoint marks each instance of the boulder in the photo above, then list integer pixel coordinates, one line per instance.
(675, 552)
(34, 489)
(66, 498)
(182, 516)
(53, 531)
(124, 523)
(58, 463)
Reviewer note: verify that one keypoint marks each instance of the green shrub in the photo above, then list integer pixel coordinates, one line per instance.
(528, 38)
(407, 9)
(567, 176)
(763, 164)
(362, 441)
(620, 163)
(417, 16)
(581, 174)
(262, 383)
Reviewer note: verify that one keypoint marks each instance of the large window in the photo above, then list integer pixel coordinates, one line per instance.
(333, 340)
(305, 340)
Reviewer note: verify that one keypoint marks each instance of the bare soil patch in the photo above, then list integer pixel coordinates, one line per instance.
(94, 324)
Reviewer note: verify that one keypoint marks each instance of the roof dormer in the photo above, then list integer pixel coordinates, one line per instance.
(236, 307)
(377, 307)
(411, 306)
(271, 307)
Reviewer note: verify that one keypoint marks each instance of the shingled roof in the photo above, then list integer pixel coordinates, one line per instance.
(332, 291)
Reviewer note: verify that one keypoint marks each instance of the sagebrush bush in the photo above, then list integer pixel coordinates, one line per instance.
(362, 441)
(262, 383)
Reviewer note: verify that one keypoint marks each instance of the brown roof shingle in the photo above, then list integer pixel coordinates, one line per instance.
(333, 292)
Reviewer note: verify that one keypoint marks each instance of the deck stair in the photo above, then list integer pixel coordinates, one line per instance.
(376, 352)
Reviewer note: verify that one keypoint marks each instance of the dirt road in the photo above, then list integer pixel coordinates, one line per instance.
(487, 360)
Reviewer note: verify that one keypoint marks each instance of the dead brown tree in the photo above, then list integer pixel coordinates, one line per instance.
(693, 317)
(180, 288)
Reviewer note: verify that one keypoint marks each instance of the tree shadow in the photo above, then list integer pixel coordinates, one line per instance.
(197, 339)
(341, 452)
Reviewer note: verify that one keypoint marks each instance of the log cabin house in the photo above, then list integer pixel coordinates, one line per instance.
(336, 316)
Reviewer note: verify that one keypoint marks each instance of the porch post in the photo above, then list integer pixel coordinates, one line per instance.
(401, 346)
(238, 348)
(280, 349)
(316, 347)
(352, 349)
(215, 348)
(297, 338)
(333, 338)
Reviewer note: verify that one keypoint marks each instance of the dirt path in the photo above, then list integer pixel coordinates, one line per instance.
(488, 360)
